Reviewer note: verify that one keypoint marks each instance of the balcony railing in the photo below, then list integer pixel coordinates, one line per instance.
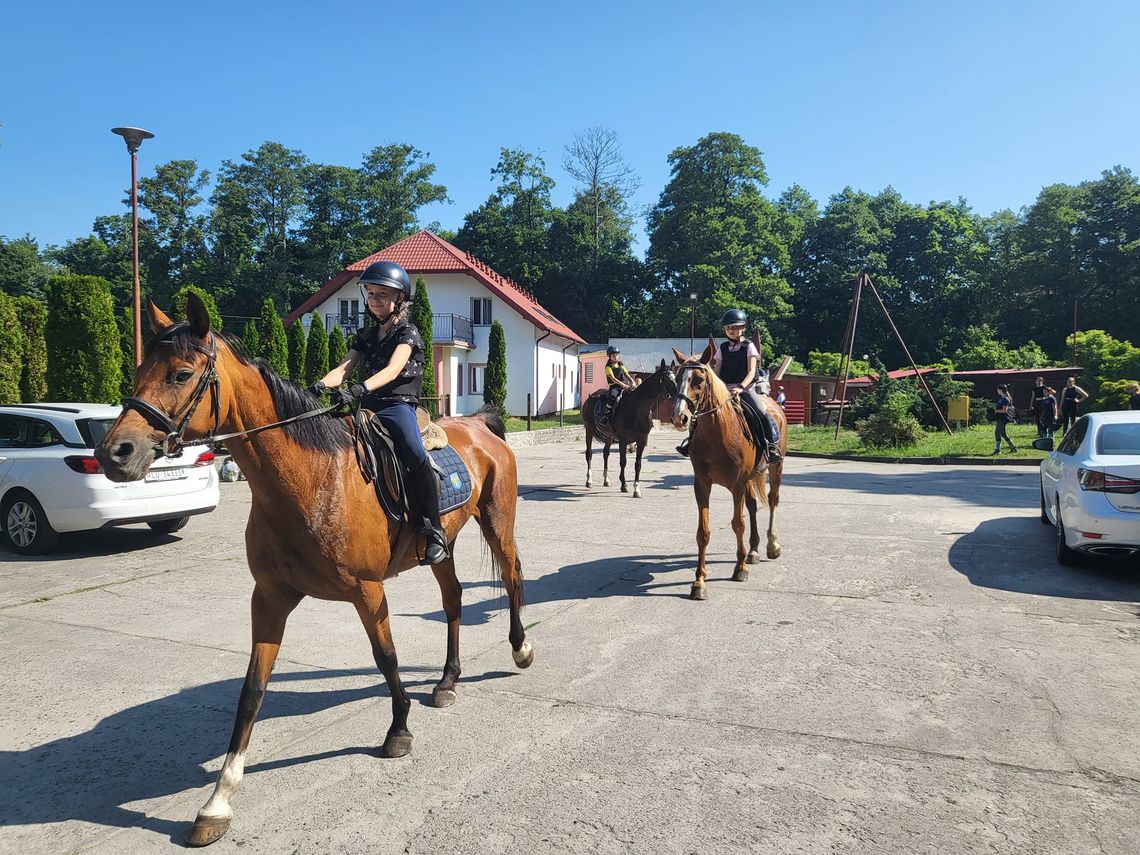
(452, 329)
(348, 322)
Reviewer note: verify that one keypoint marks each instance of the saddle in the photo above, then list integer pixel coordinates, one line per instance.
(380, 464)
(753, 421)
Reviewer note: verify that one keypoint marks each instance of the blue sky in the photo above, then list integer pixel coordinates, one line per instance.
(990, 101)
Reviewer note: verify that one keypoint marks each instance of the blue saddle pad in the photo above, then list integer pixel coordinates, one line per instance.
(454, 480)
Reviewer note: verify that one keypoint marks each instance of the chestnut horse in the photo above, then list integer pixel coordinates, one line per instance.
(630, 423)
(722, 453)
(315, 527)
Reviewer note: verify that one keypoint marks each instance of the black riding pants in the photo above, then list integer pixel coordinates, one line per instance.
(759, 405)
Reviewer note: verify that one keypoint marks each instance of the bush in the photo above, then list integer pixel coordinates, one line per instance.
(892, 426)
(251, 339)
(125, 321)
(1113, 395)
(338, 347)
(179, 303)
(12, 348)
(881, 393)
(421, 316)
(316, 352)
(274, 346)
(84, 356)
(33, 376)
(495, 377)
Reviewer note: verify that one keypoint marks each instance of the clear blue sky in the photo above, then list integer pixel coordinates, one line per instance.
(986, 100)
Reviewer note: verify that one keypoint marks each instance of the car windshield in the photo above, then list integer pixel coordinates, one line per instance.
(1119, 439)
(93, 430)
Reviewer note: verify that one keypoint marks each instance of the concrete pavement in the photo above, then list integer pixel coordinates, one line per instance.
(915, 674)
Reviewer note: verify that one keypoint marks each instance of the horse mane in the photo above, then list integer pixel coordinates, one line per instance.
(717, 389)
(320, 433)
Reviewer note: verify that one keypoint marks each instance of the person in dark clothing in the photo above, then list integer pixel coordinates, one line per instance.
(1050, 415)
(1071, 395)
(737, 363)
(1035, 403)
(391, 352)
(1134, 396)
(1001, 419)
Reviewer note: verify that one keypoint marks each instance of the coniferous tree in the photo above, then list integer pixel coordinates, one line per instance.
(125, 321)
(422, 318)
(12, 346)
(84, 355)
(179, 305)
(33, 376)
(338, 347)
(274, 345)
(251, 339)
(495, 379)
(316, 352)
(297, 348)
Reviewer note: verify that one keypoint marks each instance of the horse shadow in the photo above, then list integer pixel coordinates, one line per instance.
(161, 747)
(541, 493)
(1016, 554)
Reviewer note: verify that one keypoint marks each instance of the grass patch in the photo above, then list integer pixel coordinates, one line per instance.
(570, 418)
(975, 441)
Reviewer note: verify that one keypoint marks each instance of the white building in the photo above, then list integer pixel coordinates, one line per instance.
(466, 297)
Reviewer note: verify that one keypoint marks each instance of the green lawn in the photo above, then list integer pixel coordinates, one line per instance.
(976, 441)
(569, 418)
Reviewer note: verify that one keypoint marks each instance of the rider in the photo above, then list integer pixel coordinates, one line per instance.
(737, 363)
(393, 356)
(617, 376)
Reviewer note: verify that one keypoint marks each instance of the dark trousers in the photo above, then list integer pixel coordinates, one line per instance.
(757, 402)
(1000, 434)
(1068, 416)
(400, 420)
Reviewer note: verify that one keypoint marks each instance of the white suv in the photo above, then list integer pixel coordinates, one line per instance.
(50, 481)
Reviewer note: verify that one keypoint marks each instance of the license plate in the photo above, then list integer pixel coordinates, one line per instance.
(165, 474)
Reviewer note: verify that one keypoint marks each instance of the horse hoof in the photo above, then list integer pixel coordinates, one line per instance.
(208, 829)
(741, 575)
(397, 745)
(624, 488)
(524, 656)
(589, 483)
(637, 492)
(774, 552)
(606, 482)
(698, 592)
(753, 557)
(441, 698)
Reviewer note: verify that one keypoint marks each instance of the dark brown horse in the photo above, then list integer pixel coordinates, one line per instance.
(630, 424)
(722, 453)
(315, 527)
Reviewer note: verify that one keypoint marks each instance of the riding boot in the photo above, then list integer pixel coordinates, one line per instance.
(424, 484)
(683, 448)
(773, 438)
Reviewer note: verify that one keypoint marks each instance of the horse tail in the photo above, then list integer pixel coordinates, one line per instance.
(489, 414)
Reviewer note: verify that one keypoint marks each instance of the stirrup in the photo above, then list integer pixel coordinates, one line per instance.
(435, 548)
(683, 448)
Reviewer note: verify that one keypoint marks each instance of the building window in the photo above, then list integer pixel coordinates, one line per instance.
(477, 379)
(481, 311)
(589, 372)
(459, 382)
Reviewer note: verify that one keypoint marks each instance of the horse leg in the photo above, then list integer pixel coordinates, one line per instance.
(702, 490)
(637, 468)
(775, 477)
(606, 464)
(740, 574)
(269, 608)
(589, 452)
(499, 531)
(622, 455)
(755, 488)
(443, 695)
(372, 606)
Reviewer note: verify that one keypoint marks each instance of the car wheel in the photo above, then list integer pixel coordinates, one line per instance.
(26, 527)
(1044, 513)
(1065, 555)
(169, 526)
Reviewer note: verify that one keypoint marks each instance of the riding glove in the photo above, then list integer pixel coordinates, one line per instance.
(345, 397)
(318, 389)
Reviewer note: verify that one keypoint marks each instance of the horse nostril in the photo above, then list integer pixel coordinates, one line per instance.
(122, 451)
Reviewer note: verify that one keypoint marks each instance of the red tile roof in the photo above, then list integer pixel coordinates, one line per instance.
(426, 252)
(897, 374)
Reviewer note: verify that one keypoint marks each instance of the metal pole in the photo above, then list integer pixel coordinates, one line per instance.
(1074, 333)
(845, 357)
(528, 410)
(137, 297)
(692, 325)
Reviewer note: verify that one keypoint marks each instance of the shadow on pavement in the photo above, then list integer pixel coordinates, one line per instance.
(984, 486)
(539, 493)
(159, 748)
(86, 544)
(1016, 554)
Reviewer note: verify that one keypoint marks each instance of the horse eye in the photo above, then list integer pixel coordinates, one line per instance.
(182, 375)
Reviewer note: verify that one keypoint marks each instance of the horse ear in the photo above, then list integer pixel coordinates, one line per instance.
(680, 357)
(709, 353)
(158, 319)
(197, 315)
(661, 367)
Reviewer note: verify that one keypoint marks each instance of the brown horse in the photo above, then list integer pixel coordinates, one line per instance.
(315, 527)
(722, 453)
(630, 424)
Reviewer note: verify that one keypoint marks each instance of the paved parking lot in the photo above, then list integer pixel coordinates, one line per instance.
(915, 675)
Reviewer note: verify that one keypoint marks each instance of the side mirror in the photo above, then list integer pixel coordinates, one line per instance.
(1043, 443)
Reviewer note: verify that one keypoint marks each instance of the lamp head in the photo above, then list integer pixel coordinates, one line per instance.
(133, 137)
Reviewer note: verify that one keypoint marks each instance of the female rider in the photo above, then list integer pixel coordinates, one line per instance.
(393, 356)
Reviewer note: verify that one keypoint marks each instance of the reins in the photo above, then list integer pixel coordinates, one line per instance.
(696, 414)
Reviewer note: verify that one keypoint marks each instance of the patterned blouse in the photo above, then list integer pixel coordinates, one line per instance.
(375, 354)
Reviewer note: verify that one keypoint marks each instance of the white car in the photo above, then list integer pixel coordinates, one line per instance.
(50, 481)
(1090, 487)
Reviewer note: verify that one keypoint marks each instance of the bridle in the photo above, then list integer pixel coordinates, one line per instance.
(174, 426)
(695, 412)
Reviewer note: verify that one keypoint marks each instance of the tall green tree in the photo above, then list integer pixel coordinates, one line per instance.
(495, 374)
(84, 356)
(33, 375)
(12, 346)
(107, 253)
(177, 227)
(125, 324)
(338, 347)
(297, 347)
(714, 233)
(421, 316)
(23, 272)
(251, 339)
(274, 345)
(178, 304)
(316, 352)
(395, 181)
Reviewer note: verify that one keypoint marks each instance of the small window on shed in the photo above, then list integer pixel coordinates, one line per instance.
(589, 372)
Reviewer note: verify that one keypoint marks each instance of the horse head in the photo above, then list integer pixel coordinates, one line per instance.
(699, 390)
(177, 374)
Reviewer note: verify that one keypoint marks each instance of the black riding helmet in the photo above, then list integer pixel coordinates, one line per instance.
(733, 318)
(611, 350)
(387, 273)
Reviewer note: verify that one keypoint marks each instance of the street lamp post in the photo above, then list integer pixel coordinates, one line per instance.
(692, 320)
(134, 138)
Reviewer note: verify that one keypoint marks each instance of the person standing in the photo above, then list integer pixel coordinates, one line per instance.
(781, 398)
(1050, 414)
(1071, 395)
(1001, 419)
(1134, 396)
(1035, 403)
